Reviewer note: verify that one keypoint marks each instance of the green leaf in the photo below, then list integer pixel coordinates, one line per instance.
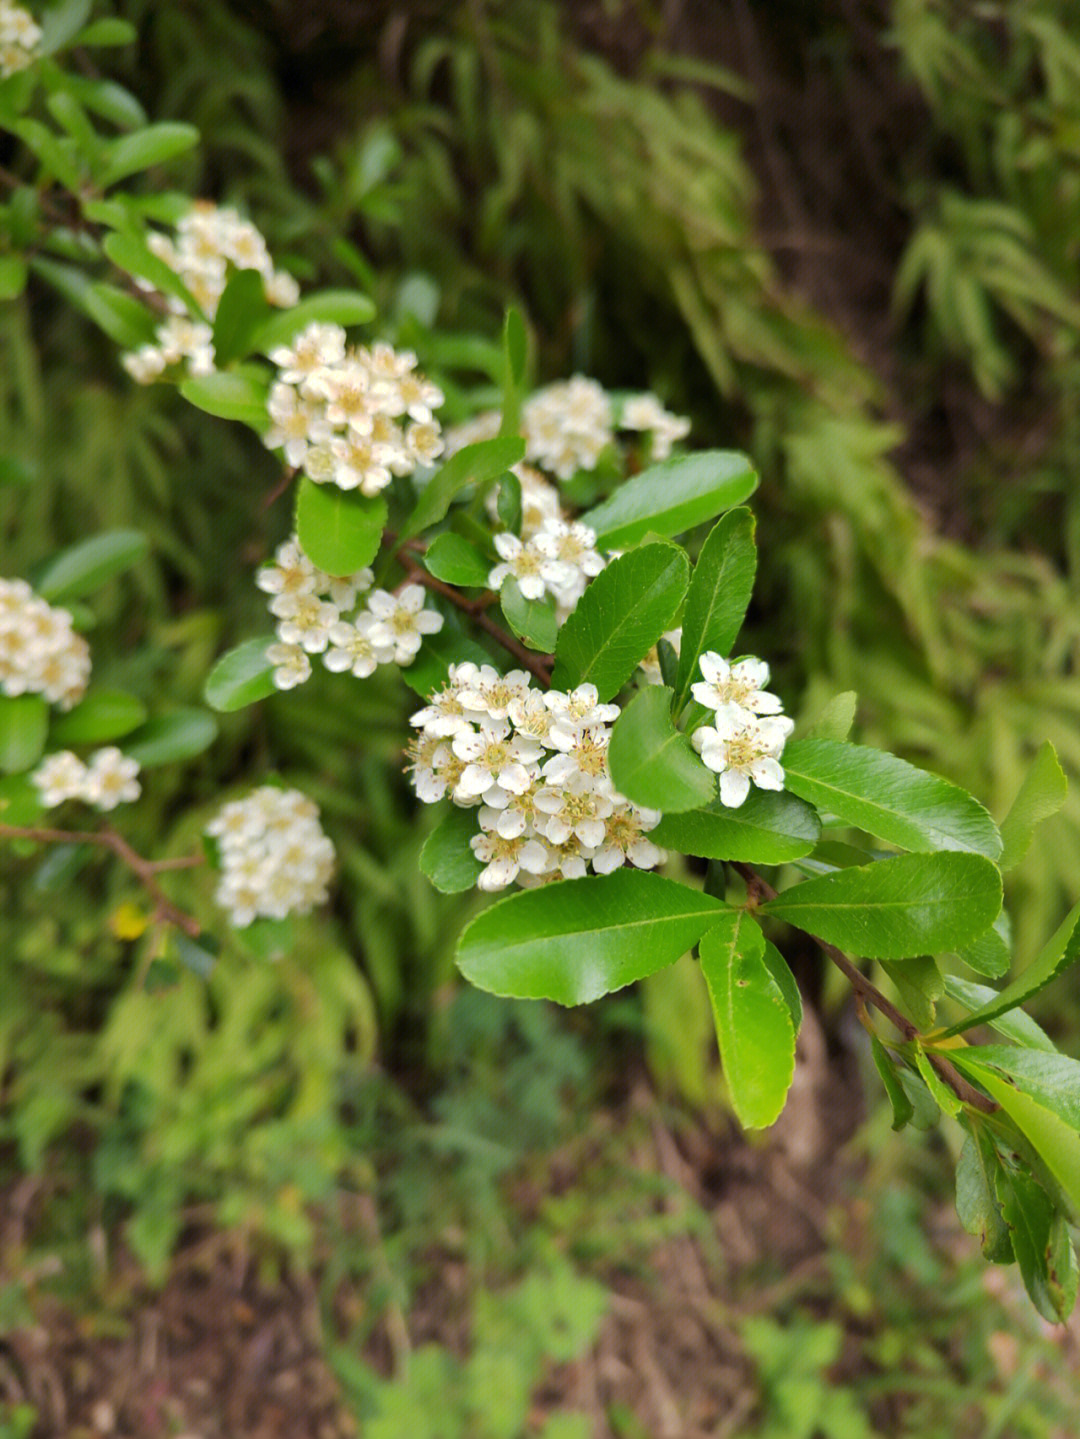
(719, 593)
(200, 958)
(770, 827)
(24, 725)
(945, 1098)
(619, 618)
(181, 735)
(109, 100)
(101, 716)
(672, 497)
(13, 273)
(889, 798)
(86, 566)
(902, 1108)
(61, 23)
(1041, 1244)
(977, 1205)
(339, 530)
(909, 905)
(515, 355)
(142, 149)
(59, 866)
(242, 308)
(835, 720)
(240, 677)
(107, 32)
(431, 667)
(339, 307)
(454, 559)
(651, 762)
(20, 800)
(920, 984)
(131, 253)
(1061, 950)
(753, 1021)
(119, 315)
(778, 967)
(508, 503)
(991, 952)
(268, 939)
(577, 939)
(231, 395)
(473, 465)
(1015, 1024)
(1041, 795)
(533, 621)
(446, 858)
(58, 155)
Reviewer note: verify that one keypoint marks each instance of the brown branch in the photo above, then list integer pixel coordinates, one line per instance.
(145, 870)
(867, 993)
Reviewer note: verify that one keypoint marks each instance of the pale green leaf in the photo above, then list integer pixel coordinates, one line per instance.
(24, 725)
(339, 530)
(86, 566)
(141, 149)
(835, 720)
(339, 307)
(238, 394)
(1041, 795)
(240, 677)
(672, 497)
(977, 1204)
(1015, 1024)
(533, 621)
(1060, 951)
(166, 739)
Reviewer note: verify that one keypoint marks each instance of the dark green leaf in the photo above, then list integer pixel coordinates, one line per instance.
(122, 317)
(889, 798)
(651, 762)
(515, 354)
(770, 827)
(473, 465)
(231, 395)
(58, 155)
(15, 472)
(446, 857)
(339, 530)
(240, 677)
(835, 720)
(142, 149)
(720, 590)
(753, 1020)
(619, 618)
(909, 905)
(24, 724)
(242, 308)
(533, 621)
(672, 497)
(160, 976)
(577, 939)
(1061, 950)
(103, 715)
(109, 100)
(87, 565)
(60, 864)
(1041, 1244)
(339, 307)
(168, 738)
(131, 253)
(1041, 795)
(902, 1108)
(508, 503)
(1015, 1024)
(668, 660)
(977, 1204)
(454, 559)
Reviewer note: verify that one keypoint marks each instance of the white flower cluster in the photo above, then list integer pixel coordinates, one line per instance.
(40, 653)
(275, 858)
(351, 417)
(559, 559)
(210, 241)
(534, 765)
(19, 37)
(313, 613)
(106, 780)
(748, 732)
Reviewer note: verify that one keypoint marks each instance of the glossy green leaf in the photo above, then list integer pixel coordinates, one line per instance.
(58, 154)
(1041, 1244)
(719, 593)
(456, 560)
(753, 1022)
(431, 667)
(920, 985)
(474, 465)
(944, 1097)
(24, 725)
(577, 939)
(240, 677)
(131, 253)
(13, 273)
(1041, 795)
(339, 307)
(780, 970)
(339, 530)
(142, 149)
(1060, 951)
(651, 762)
(86, 566)
(446, 857)
(243, 307)
(672, 497)
(835, 720)
(619, 618)
(508, 503)
(120, 315)
(902, 1107)
(103, 715)
(1015, 1024)
(991, 953)
(889, 798)
(909, 905)
(166, 739)
(770, 827)
(533, 621)
(239, 394)
(977, 1203)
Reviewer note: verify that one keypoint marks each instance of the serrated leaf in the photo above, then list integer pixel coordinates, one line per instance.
(239, 394)
(977, 1204)
(473, 465)
(339, 307)
(887, 797)
(719, 593)
(84, 567)
(902, 1107)
(533, 621)
(991, 953)
(1041, 795)
(242, 308)
(577, 939)
(619, 618)
(672, 497)
(770, 827)
(446, 857)
(169, 738)
(240, 677)
(453, 558)
(1060, 951)
(908, 905)
(835, 720)
(101, 716)
(24, 725)
(339, 530)
(1015, 1024)
(753, 1022)
(142, 149)
(1041, 1244)
(651, 762)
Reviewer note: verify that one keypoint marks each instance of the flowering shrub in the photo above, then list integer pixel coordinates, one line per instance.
(563, 589)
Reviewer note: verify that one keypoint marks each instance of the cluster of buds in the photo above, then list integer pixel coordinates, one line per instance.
(275, 858)
(748, 732)
(315, 615)
(19, 38)
(352, 417)
(534, 766)
(40, 653)
(210, 243)
(107, 779)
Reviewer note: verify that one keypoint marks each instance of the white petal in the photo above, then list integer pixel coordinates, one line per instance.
(734, 787)
(767, 774)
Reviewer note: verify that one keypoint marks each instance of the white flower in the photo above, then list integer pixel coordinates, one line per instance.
(505, 855)
(494, 757)
(435, 769)
(291, 665)
(40, 653)
(292, 573)
(624, 839)
(314, 347)
(524, 562)
(111, 778)
(305, 620)
(567, 425)
(575, 808)
(298, 423)
(488, 695)
(341, 590)
(275, 858)
(352, 647)
(574, 712)
(740, 684)
(59, 777)
(650, 665)
(739, 747)
(403, 621)
(645, 412)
